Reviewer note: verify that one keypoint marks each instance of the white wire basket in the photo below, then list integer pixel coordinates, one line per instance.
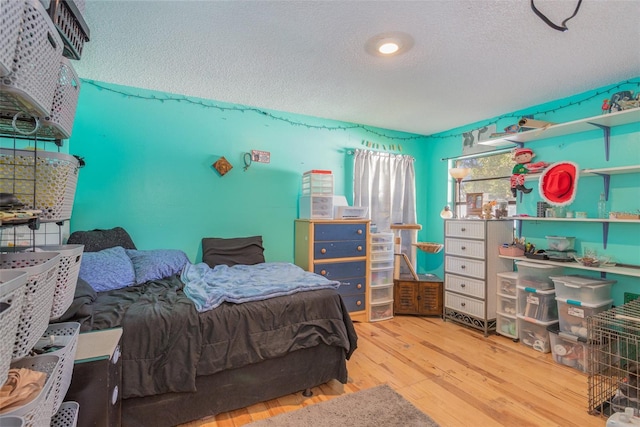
(31, 82)
(41, 269)
(12, 284)
(60, 339)
(67, 415)
(68, 270)
(43, 180)
(37, 413)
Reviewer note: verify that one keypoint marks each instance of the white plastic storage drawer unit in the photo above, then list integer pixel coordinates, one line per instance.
(471, 264)
(316, 207)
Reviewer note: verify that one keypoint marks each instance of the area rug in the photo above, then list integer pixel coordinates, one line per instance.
(377, 406)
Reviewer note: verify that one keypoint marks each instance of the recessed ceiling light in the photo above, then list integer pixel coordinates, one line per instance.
(389, 44)
(387, 48)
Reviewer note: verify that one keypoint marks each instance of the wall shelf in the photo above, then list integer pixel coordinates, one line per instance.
(604, 122)
(622, 270)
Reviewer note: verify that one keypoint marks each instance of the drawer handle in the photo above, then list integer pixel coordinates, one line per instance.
(463, 267)
(323, 251)
(359, 248)
(463, 229)
(462, 285)
(464, 248)
(359, 231)
(358, 303)
(463, 304)
(323, 272)
(359, 286)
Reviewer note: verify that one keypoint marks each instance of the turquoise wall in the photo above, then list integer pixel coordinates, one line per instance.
(586, 149)
(149, 159)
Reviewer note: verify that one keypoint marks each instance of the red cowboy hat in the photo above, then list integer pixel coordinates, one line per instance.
(558, 183)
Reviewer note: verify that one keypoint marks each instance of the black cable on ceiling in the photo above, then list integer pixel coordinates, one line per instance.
(548, 21)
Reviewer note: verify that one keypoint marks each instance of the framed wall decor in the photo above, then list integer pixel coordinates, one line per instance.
(474, 204)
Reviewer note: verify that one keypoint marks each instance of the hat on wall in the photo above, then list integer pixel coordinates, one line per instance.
(558, 183)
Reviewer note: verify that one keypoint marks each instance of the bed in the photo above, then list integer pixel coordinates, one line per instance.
(181, 364)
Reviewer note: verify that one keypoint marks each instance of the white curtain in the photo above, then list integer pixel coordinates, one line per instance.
(385, 183)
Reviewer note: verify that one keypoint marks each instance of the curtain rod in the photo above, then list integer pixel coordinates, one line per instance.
(483, 154)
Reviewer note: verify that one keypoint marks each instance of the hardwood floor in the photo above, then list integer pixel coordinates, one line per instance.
(452, 373)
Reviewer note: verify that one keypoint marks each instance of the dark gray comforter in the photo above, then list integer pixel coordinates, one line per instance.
(166, 343)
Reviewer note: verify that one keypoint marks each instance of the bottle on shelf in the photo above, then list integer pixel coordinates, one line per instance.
(602, 207)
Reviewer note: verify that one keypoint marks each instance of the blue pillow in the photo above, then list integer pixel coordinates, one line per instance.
(107, 269)
(156, 264)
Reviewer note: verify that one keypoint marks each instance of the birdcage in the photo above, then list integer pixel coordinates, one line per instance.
(614, 362)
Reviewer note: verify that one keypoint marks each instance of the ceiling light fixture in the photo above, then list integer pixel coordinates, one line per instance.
(389, 44)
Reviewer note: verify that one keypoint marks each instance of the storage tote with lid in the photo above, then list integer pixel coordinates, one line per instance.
(537, 304)
(583, 288)
(536, 276)
(573, 314)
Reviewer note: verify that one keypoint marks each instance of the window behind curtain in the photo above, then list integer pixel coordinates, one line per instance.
(489, 176)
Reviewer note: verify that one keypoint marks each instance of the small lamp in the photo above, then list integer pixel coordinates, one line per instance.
(458, 174)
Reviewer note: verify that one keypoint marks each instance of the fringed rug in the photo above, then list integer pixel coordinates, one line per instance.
(378, 406)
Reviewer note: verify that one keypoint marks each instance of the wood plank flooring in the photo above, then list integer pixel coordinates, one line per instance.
(452, 373)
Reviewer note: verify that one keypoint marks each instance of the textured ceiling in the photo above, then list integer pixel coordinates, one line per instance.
(471, 59)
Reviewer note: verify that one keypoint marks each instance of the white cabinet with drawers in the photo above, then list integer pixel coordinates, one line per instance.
(471, 263)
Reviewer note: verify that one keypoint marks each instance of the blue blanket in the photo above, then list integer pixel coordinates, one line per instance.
(209, 287)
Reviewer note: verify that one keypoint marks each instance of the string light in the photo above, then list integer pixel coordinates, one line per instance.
(495, 120)
(243, 109)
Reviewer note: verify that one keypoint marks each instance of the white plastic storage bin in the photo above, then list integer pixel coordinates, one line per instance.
(536, 276)
(381, 256)
(11, 13)
(560, 243)
(507, 325)
(37, 413)
(315, 184)
(381, 276)
(381, 294)
(41, 269)
(581, 288)
(534, 334)
(31, 82)
(382, 239)
(382, 264)
(537, 304)
(507, 283)
(316, 207)
(59, 123)
(11, 421)
(43, 180)
(67, 415)
(568, 349)
(12, 291)
(573, 314)
(381, 311)
(507, 305)
(61, 340)
(67, 278)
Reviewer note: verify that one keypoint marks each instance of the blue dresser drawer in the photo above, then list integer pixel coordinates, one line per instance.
(352, 286)
(326, 232)
(339, 249)
(341, 270)
(354, 302)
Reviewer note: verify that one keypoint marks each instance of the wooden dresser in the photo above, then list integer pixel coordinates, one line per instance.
(471, 264)
(338, 250)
